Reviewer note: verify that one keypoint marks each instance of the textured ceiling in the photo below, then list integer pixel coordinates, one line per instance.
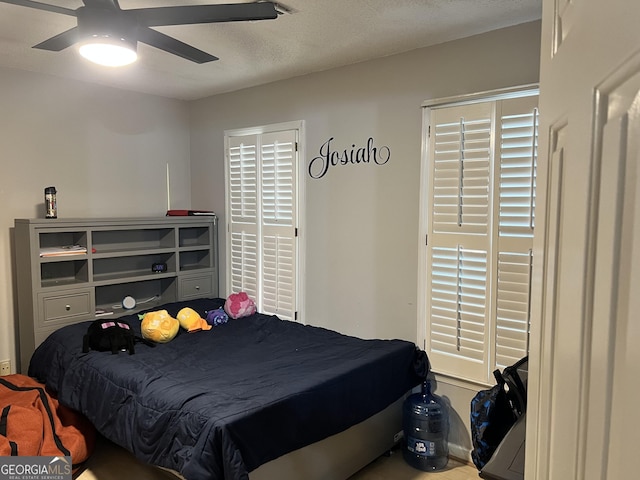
(317, 35)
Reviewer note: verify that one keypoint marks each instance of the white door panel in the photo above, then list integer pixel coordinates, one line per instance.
(582, 417)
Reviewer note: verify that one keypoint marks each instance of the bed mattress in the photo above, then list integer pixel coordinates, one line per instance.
(217, 404)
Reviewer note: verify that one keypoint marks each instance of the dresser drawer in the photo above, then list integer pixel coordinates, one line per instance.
(63, 308)
(195, 286)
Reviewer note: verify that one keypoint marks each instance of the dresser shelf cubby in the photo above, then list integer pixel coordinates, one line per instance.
(68, 272)
(132, 239)
(148, 294)
(194, 237)
(113, 268)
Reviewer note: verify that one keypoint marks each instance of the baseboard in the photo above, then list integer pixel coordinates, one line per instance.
(460, 454)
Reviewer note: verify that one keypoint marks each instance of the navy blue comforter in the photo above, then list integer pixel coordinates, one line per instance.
(217, 404)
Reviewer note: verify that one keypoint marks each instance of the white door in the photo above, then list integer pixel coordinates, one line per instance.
(583, 419)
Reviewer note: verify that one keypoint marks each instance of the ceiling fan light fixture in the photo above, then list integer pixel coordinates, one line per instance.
(108, 51)
(109, 35)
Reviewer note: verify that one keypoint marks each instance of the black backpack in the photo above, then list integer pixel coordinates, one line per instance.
(111, 335)
(495, 411)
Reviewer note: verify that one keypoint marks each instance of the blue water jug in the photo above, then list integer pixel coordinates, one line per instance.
(425, 423)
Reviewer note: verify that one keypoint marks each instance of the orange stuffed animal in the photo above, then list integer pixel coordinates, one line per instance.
(191, 320)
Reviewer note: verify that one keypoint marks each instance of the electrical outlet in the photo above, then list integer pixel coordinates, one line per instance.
(5, 367)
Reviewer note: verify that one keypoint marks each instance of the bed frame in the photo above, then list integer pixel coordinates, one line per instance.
(339, 456)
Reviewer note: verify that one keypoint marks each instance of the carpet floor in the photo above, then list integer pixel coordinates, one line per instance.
(110, 462)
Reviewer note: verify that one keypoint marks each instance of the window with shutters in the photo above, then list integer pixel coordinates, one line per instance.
(262, 217)
(477, 215)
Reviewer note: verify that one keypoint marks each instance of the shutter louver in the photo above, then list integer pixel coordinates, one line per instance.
(279, 276)
(458, 302)
(518, 158)
(277, 182)
(244, 263)
(243, 181)
(513, 300)
(462, 159)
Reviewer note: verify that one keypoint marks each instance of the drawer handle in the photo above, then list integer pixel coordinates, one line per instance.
(197, 287)
(67, 307)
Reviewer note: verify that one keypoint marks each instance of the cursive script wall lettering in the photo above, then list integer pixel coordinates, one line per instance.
(319, 166)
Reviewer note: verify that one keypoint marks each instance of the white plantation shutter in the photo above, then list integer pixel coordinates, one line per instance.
(242, 191)
(460, 180)
(481, 202)
(278, 229)
(262, 198)
(518, 154)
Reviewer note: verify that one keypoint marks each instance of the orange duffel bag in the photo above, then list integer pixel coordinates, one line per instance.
(33, 423)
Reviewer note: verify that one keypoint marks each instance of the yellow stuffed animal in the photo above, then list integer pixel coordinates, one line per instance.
(191, 320)
(159, 326)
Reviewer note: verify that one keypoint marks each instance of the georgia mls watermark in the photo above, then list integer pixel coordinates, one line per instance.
(35, 468)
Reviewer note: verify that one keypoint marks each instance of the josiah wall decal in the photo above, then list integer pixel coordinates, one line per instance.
(319, 166)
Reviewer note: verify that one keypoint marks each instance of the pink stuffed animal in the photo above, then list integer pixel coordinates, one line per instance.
(239, 305)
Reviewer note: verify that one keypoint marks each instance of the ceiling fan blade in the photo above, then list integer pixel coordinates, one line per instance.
(60, 42)
(171, 45)
(41, 6)
(194, 14)
(109, 4)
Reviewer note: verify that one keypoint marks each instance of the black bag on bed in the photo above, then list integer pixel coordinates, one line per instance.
(111, 335)
(495, 411)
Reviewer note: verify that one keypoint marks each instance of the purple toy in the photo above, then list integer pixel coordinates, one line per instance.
(217, 317)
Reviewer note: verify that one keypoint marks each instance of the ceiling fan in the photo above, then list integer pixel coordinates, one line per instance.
(102, 26)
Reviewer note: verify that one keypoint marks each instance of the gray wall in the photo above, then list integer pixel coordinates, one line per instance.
(362, 220)
(105, 150)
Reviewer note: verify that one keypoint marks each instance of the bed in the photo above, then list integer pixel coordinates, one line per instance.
(252, 395)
